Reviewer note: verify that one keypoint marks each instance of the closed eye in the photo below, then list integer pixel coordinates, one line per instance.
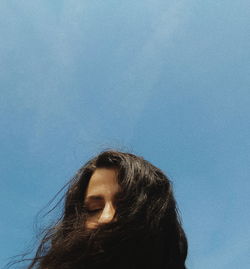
(94, 211)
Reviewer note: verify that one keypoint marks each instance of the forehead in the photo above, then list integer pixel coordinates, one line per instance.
(103, 182)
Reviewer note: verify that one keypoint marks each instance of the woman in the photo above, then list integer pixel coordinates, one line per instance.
(119, 212)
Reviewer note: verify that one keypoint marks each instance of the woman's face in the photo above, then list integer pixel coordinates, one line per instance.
(99, 199)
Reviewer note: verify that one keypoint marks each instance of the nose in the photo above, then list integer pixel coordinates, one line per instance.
(107, 214)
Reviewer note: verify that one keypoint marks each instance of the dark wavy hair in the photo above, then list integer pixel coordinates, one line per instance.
(146, 233)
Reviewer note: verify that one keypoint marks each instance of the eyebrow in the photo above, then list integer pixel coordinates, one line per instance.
(97, 198)
(94, 198)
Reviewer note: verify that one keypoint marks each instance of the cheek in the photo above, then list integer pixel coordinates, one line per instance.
(92, 221)
(90, 224)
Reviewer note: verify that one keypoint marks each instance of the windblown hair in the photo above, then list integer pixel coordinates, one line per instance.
(147, 232)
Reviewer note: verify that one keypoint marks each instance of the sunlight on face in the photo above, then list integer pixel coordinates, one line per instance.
(99, 199)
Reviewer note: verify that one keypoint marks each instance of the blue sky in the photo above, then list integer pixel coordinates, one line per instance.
(168, 80)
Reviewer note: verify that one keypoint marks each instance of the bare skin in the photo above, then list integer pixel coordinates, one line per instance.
(99, 199)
